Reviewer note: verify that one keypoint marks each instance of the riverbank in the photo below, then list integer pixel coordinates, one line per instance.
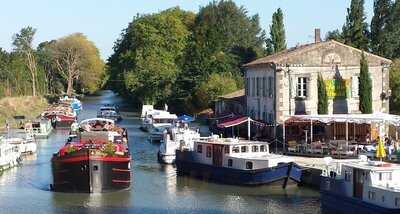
(27, 106)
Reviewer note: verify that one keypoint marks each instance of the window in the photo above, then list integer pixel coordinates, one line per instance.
(270, 118)
(226, 149)
(254, 148)
(230, 162)
(258, 86)
(235, 149)
(243, 149)
(302, 87)
(380, 176)
(199, 148)
(270, 85)
(262, 148)
(208, 152)
(249, 165)
(95, 168)
(383, 198)
(253, 87)
(264, 86)
(371, 195)
(247, 87)
(397, 202)
(347, 176)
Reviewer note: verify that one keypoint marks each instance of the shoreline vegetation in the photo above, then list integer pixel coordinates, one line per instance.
(28, 106)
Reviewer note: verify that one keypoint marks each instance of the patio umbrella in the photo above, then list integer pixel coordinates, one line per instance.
(185, 118)
(380, 150)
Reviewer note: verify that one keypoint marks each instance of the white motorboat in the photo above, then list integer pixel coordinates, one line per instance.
(25, 146)
(361, 187)
(174, 138)
(9, 155)
(39, 129)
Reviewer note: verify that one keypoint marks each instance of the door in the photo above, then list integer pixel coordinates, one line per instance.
(358, 183)
(217, 154)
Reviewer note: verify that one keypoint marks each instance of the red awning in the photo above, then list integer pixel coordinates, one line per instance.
(233, 122)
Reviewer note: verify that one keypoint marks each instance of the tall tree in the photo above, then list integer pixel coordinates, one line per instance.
(355, 30)
(23, 44)
(322, 96)
(335, 35)
(379, 23)
(394, 82)
(277, 31)
(365, 87)
(392, 35)
(75, 58)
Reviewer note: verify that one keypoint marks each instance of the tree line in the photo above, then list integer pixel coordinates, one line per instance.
(70, 64)
(187, 59)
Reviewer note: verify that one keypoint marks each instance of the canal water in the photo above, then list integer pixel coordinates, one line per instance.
(155, 188)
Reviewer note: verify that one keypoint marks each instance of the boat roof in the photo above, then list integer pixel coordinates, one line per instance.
(230, 141)
(161, 114)
(373, 165)
(96, 119)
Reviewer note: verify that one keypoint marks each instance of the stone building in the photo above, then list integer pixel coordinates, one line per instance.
(285, 83)
(234, 102)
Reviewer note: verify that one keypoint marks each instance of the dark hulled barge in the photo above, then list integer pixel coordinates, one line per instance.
(96, 160)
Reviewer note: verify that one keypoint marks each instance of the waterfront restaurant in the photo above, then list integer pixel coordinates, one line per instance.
(285, 84)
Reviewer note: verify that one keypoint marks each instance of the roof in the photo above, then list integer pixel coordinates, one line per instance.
(235, 94)
(285, 56)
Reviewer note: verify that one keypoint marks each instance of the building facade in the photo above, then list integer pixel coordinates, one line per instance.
(285, 83)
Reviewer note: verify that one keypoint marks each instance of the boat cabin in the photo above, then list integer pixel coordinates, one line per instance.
(374, 182)
(236, 154)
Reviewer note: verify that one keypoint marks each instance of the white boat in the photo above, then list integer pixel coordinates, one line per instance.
(176, 138)
(361, 187)
(234, 161)
(156, 121)
(9, 155)
(25, 146)
(39, 129)
(109, 112)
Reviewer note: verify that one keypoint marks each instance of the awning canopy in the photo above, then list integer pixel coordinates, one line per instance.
(234, 121)
(351, 118)
(186, 118)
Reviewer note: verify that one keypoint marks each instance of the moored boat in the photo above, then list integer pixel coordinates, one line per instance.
(233, 161)
(109, 112)
(361, 187)
(24, 145)
(40, 128)
(96, 160)
(174, 138)
(9, 154)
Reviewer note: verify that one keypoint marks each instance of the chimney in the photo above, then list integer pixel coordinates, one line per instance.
(317, 35)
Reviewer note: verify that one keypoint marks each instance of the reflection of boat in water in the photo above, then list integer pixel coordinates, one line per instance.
(361, 187)
(97, 160)
(234, 161)
(9, 154)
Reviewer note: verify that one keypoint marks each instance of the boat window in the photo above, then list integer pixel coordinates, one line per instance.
(347, 176)
(243, 149)
(95, 167)
(249, 165)
(208, 152)
(380, 176)
(226, 149)
(262, 148)
(235, 149)
(230, 162)
(254, 148)
(397, 202)
(199, 148)
(383, 198)
(371, 195)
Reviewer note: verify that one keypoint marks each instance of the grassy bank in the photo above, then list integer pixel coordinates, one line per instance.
(28, 106)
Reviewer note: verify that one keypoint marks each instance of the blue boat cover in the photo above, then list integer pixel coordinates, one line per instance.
(185, 118)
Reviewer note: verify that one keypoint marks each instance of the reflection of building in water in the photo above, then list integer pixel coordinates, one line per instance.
(285, 83)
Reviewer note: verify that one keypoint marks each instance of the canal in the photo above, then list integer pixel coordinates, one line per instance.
(155, 189)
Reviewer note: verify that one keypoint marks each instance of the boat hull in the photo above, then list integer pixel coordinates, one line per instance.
(338, 204)
(91, 174)
(281, 173)
(166, 158)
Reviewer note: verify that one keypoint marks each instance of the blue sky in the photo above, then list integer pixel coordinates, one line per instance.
(103, 20)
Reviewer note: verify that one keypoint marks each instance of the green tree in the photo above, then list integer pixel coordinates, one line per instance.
(77, 60)
(23, 44)
(277, 31)
(391, 37)
(394, 83)
(334, 35)
(355, 30)
(365, 87)
(217, 84)
(322, 96)
(379, 23)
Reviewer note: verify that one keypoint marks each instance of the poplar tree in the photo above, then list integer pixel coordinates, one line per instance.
(355, 30)
(322, 96)
(393, 32)
(365, 87)
(277, 32)
(379, 25)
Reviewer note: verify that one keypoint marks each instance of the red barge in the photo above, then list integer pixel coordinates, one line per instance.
(95, 160)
